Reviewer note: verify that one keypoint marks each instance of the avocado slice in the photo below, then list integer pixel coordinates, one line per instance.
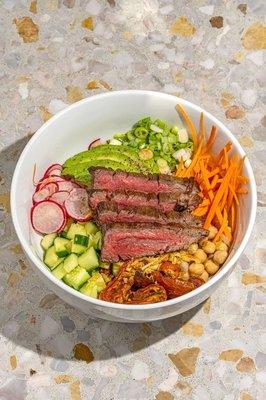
(109, 156)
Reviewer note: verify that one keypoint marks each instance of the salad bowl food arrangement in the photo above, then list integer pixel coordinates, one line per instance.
(133, 205)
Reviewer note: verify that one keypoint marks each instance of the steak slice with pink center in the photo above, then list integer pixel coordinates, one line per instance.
(108, 213)
(127, 241)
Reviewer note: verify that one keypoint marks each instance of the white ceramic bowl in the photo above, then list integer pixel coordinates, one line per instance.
(69, 132)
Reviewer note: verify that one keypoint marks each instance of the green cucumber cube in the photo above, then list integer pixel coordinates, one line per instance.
(89, 289)
(89, 259)
(70, 262)
(59, 272)
(76, 229)
(76, 278)
(48, 240)
(51, 259)
(77, 248)
(91, 228)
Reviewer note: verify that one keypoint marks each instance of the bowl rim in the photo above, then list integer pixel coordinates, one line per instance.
(127, 307)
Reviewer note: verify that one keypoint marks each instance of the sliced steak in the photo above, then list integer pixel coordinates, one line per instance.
(108, 213)
(127, 241)
(108, 179)
(162, 202)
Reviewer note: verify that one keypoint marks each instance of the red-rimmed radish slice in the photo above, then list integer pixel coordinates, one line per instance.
(50, 179)
(60, 197)
(54, 169)
(94, 143)
(54, 172)
(48, 217)
(67, 185)
(77, 205)
(52, 187)
(40, 195)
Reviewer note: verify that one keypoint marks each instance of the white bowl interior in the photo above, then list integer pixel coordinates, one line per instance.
(100, 117)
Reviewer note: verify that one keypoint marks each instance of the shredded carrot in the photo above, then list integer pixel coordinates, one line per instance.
(180, 109)
(219, 177)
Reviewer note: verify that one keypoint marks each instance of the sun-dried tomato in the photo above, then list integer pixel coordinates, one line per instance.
(141, 280)
(149, 294)
(170, 269)
(117, 289)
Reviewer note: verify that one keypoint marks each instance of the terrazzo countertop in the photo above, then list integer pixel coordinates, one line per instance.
(55, 52)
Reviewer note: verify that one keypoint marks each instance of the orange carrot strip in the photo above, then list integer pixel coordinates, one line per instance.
(180, 109)
(194, 161)
(233, 193)
(213, 172)
(222, 227)
(214, 181)
(211, 139)
(218, 197)
(199, 212)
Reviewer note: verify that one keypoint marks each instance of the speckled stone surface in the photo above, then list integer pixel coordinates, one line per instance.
(54, 52)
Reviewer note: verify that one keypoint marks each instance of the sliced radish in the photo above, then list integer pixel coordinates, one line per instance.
(60, 197)
(49, 179)
(77, 205)
(52, 187)
(48, 217)
(52, 170)
(40, 195)
(67, 185)
(94, 143)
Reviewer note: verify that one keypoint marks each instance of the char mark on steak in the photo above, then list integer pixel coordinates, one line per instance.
(109, 212)
(128, 241)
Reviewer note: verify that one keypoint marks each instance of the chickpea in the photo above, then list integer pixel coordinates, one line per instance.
(211, 267)
(202, 241)
(193, 248)
(220, 256)
(208, 247)
(204, 276)
(184, 266)
(212, 232)
(196, 268)
(221, 246)
(200, 255)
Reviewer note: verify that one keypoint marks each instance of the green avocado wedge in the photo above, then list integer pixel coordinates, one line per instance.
(110, 156)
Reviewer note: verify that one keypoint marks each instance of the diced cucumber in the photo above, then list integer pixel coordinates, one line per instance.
(77, 248)
(116, 268)
(91, 228)
(96, 240)
(59, 272)
(98, 280)
(94, 285)
(89, 289)
(48, 240)
(51, 259)
(70, 262)
(81, 239)
(76, 278)
(89, 259)
(61, 246)
(76, 229)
